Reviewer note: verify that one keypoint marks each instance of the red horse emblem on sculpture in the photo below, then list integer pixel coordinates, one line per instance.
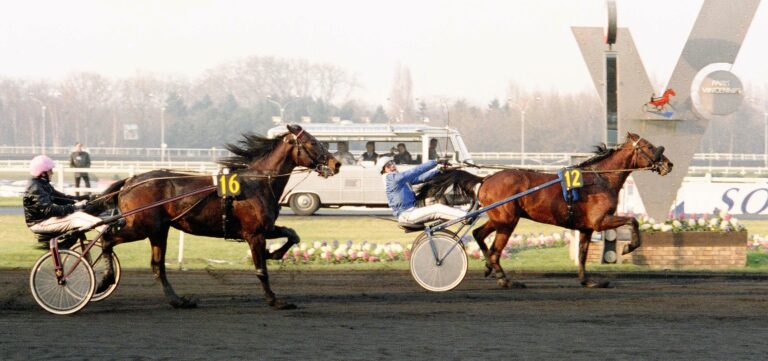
(658, 104)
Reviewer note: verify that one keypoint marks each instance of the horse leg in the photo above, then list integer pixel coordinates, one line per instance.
(159, 242)
(480, 234)
(258, 246)
(279, 232)
(611, 222)
(585, 235)
(108, 279)
(502, 237)
(635, 241)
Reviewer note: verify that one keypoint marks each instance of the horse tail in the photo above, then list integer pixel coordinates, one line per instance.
(461, 183)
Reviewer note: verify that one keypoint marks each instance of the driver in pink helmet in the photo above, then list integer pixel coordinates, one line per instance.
(48, 211)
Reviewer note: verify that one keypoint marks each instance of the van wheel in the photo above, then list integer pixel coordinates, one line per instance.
(304, 204)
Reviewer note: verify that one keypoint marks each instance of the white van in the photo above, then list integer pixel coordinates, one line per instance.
(359, 183)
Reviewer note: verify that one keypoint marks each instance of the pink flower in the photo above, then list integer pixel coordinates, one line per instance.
(373, 259)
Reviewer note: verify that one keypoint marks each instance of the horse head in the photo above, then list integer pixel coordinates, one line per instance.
(670, 91)
(647, 155)
(310, 153)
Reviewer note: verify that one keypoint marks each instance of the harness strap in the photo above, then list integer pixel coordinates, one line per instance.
(569, 195)
(226, 216)
(188, 209)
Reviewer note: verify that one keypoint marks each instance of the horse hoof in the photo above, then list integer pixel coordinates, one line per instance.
(280, 305)
(504, 283)
(184, 302)
(628, 249)
(592, 284)
(105, 283)
(488, 270)
(518, 285)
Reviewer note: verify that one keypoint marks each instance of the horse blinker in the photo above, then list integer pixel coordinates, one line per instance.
(658, 153)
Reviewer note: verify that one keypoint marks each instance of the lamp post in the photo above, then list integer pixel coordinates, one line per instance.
(42, 122)
(280, 106)
(765, 138)
(521, 107)
(162, 134)
(156, 99)
(400, 115)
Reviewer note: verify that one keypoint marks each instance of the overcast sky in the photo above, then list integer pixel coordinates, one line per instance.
(468, 49)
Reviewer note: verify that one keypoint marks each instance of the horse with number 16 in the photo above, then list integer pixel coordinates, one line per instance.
(262, 167)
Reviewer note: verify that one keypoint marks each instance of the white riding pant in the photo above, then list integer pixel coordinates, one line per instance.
(430, 213)
(75, 221)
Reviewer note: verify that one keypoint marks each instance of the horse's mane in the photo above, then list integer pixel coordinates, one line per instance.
(249, 149)
(601, 152)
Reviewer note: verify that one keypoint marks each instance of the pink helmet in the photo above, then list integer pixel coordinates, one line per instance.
(40, 165)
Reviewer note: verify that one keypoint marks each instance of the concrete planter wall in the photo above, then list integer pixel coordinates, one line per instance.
(691, 250)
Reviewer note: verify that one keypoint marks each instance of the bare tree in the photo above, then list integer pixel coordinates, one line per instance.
(85, 96)
(401, 97)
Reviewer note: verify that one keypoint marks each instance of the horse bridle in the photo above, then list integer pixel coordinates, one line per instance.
(320, 165)
(653, 159)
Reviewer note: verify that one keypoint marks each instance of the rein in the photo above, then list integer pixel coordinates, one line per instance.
(257, 176)
(500, 167)
(635, 148)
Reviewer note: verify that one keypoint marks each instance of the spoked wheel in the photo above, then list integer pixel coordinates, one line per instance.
(441, 273)
(65, 297)
(98, 262)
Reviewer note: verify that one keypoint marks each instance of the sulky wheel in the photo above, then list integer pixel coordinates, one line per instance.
(444, 272)
(69, 295)
(97, 260)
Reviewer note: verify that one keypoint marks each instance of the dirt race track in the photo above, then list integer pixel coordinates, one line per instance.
(384, 315)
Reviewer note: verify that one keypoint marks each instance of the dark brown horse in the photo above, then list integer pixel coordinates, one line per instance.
(603, 176)
(262, 165)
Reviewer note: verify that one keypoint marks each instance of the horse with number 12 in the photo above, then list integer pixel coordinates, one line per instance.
(259, 169)
(599, 179)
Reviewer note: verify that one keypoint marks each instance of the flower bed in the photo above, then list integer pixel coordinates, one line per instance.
(758, 243)
(660, 249)
(705, 223)
(330, 252)
(715, 241)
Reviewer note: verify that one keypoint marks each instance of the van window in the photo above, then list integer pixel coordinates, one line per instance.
(404, 152)
(441, 148)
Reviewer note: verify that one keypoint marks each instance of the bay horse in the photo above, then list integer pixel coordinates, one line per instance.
(603, 176)
(263, 166)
